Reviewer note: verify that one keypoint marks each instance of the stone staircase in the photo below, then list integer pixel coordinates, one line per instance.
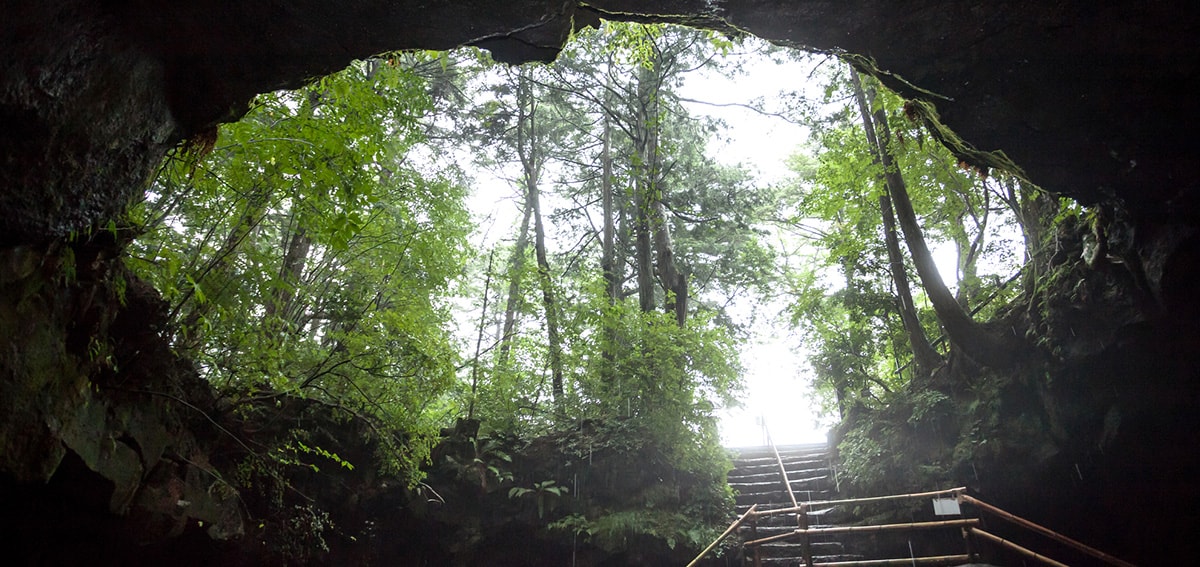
(756, 480)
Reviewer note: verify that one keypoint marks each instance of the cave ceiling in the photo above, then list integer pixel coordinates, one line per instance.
(1087, 99)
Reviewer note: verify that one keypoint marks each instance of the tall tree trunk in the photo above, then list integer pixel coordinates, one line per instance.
(475, 372)
(298, 245)
(608, 256)
(925, 358)
(548, 301)
(641, 234)
(217, 270)
(674, 282)
(968, 249)
(651, 204)
(516, 272)
(529, 152)
(995, 350)
(643, 194)
(1034, 210)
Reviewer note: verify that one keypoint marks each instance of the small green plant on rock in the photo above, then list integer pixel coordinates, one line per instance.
(546, 494)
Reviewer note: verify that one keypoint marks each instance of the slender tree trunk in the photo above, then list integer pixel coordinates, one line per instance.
(290, 271)
(651, 206)
(548, 301)
(995, 350)
(641, 234)
(487, 288)
(924, 356)
(516, 272)
(529, 152)
(1034, 211)
(968, 248)
(608, 254)
(217, 269)
(674, 281)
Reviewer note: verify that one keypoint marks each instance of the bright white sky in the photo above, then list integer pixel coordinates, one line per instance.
(777, 382)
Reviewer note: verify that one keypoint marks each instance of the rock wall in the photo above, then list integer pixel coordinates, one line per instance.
(1084, 98)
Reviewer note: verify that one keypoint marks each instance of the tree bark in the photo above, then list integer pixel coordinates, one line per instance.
(516, 269)
(528, 151)
(968, 249)
(925, 358)
(548, 301)
(487, 288)
(290, 272)
(641, 234)
(995, 350)
(651, 209)
(608, 255)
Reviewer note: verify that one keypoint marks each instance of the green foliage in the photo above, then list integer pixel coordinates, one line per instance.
(862, 351)
(304, 255)
(545, 493)
(486, 464)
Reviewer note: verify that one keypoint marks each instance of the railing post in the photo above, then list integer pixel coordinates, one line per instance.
(970, 549)
(805, 540)
(754, 536)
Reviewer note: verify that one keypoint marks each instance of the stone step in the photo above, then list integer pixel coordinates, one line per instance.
(808, 448)
(819, 460)
(780, 496)
(744, 475)
(765, 482)
(796, 549)
(797, 561)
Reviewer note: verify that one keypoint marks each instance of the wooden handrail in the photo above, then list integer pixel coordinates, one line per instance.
(814, 503)
(735, 525)
(782, 471)
(801, 511)
(867, 529)
(1044, 531)
(1010, 545)
(939, 559)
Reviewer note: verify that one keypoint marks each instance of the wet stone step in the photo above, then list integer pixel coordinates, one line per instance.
(778, 496)
(787, 461)
(773, 472)
(797, 550)
(795, 480)
(796, 561)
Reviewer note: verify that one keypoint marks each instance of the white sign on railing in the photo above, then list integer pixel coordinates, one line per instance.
(946, 507)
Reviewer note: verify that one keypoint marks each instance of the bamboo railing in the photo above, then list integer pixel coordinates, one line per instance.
(955, 492)
(1036, 528)
(931, 560)
(802, 511)
(732, 527)
(806, 533)
(1014, 547)
(970, 528)
(869, 529)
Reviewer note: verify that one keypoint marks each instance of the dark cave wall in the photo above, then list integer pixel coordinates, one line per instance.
(1093, 100)
(1089, 99)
